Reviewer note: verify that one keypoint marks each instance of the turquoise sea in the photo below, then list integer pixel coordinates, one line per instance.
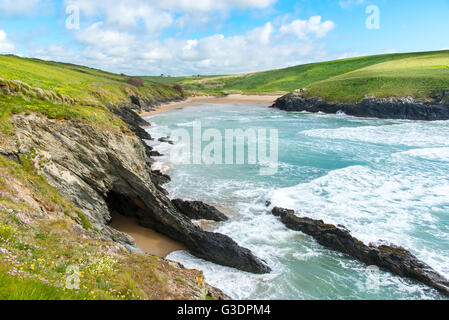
(382, 179)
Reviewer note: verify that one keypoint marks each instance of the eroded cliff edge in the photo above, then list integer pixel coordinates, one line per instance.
(102, 169)
(391, 108)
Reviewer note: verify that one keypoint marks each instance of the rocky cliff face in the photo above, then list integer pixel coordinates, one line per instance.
(392, 108)
(105, 169)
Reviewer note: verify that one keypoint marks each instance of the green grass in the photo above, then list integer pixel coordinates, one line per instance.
(420, 75)
(76, 81)
(94, 90)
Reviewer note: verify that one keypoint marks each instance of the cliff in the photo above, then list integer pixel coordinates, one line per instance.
(392, 108)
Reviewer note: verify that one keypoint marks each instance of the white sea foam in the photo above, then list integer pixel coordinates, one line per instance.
(374, 205)
(418, 134)
(436, 154)
(393, 193)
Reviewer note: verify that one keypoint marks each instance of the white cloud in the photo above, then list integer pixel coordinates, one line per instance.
(303, 28)
(125, 36)
(264, 47)
(156, 14)
(262, 34)
(55, 52)
(100, 37)
(5, 45)
(125, 14)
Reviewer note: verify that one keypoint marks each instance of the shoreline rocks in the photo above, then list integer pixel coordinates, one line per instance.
(198, 210)
(391, 108)
(395, 259)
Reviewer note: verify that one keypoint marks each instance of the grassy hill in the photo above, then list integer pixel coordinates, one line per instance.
(421, 75)
(61, 90)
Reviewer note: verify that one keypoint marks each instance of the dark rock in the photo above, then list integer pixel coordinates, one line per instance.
(155, 153)
(159, 178)
(226, 252)
(166, 140)
(135, 124)
(155, 211)
(278, 212)
(11, 156)
(199, 210)
(112, 171)
(132, 120)
(395, 259)
(392, 108)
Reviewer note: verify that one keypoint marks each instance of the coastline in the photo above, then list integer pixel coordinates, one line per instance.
(191, 101)
(148, 240)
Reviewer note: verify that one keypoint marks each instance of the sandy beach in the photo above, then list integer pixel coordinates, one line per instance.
(146, 239)
(233, 98)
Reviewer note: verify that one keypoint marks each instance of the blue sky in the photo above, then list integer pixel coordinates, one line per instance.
(184, 37)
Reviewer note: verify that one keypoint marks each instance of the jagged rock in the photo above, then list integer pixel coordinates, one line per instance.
(198, 210)
(155, 153)
(97, 168)
(132, 119)
(392, 108)
(160, 178)
(395, 259)
(166, 140)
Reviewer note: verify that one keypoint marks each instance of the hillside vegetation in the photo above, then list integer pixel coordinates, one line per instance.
(61, 90)
(46, 241)
(420, 75)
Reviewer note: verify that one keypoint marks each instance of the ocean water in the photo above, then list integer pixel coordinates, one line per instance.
(382, 179)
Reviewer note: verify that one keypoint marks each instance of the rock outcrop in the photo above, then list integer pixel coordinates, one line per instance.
(395, 259)
(392, 108)
(102, 168)
(198, 210)
(139, 102)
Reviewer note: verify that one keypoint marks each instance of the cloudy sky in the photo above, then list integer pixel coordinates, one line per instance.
(186, 37)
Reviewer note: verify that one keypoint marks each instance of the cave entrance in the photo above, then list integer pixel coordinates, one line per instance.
(124, 213)
(120, 204)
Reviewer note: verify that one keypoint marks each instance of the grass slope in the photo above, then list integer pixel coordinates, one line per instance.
(421, 75)
(92, 88)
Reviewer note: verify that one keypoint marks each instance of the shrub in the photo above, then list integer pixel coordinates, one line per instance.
(178, 88)
(137, 82)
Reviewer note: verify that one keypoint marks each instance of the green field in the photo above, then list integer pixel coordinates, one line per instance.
(420, 75)
(92, 88)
